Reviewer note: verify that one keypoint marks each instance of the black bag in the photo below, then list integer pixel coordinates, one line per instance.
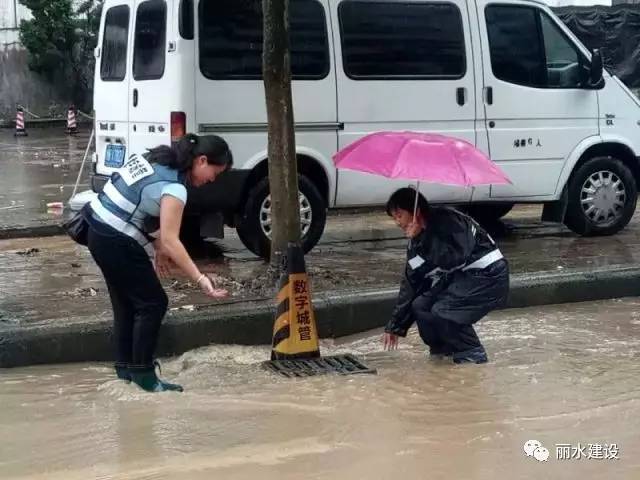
(77, 227)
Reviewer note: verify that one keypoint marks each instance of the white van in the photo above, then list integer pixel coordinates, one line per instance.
(507, 76)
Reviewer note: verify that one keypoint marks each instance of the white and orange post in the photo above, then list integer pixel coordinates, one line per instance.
(20, 127)
(72, 121)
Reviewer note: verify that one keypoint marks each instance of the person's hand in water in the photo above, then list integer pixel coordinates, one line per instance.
(390, 341)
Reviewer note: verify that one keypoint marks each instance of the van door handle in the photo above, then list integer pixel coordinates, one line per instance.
(461, 94)
(135, 97)
(489, 95)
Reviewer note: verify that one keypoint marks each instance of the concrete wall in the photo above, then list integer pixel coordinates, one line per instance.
(19, 85)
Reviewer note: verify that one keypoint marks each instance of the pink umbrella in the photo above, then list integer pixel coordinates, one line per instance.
(423, 157)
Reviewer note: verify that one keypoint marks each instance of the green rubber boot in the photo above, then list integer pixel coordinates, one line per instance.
(147, 379)
(122, 372)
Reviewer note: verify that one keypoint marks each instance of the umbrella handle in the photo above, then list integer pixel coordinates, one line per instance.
(415, 206)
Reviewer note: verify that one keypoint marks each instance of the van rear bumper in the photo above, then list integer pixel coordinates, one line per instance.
(223, 195)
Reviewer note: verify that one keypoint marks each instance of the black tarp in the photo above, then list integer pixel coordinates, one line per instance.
(613, 30)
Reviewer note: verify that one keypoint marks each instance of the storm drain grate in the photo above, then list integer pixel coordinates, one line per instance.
(308, 367)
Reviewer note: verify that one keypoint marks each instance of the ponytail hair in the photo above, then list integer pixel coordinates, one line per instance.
(182, 154)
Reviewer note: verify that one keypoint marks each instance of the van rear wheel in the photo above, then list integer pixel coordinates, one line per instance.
(602, 197)
(254, 226)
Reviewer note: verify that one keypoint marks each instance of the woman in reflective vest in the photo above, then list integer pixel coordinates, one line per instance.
(149, 190)
(455, 274)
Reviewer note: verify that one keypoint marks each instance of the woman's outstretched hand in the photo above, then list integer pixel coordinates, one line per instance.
(209, 290)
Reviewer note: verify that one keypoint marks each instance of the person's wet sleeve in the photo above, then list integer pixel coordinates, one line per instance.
(453, 241)
(401, 318)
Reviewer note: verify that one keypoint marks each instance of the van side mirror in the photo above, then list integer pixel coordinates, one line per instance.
(596, 80)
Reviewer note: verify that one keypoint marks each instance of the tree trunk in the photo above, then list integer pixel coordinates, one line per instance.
(283, 169)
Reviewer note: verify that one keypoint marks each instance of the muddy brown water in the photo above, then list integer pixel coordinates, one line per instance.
(560, 375)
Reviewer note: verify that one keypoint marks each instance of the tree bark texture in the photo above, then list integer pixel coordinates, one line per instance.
(283, 170)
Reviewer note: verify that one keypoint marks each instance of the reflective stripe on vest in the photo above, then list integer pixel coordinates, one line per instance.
(116, 197)
(120, 225)
(483, 262)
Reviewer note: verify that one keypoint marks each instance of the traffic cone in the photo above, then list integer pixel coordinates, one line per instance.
(72, 123)
(295, 335)
(296, 351)
(20, 130)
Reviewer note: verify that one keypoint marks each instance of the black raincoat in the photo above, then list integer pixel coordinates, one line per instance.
(454, 270)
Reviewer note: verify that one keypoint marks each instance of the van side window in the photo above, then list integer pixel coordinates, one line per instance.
(150, 40)
(528, 48)
(230, 39)
(402, 40)
(113, 66)
(185, 15)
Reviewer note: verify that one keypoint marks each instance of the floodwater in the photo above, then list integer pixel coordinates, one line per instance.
(559, 375)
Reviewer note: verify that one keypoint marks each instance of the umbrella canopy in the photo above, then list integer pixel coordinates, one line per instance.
(423, 157)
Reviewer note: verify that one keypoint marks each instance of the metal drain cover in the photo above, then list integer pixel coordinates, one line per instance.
(308, 367)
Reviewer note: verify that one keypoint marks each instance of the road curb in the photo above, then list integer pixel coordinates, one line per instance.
(250, 323)
(31, 232)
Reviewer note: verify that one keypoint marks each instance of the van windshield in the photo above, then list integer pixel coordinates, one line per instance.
(150, 40)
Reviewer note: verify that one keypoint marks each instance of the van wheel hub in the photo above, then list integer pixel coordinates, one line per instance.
(603, 197)
(306, 215)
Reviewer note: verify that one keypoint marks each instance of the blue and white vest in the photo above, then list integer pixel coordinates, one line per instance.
(133, 194)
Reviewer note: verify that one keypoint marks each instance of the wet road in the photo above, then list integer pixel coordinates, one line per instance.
(560, 375)
(357, 252)
(37, 170)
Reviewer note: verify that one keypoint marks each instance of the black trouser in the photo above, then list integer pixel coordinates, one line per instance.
(138, 300)
(445, 316)
(439, 334)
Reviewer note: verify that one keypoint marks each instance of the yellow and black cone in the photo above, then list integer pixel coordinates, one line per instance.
(295, 335)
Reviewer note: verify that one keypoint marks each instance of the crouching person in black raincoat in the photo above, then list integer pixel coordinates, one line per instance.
(454, 276)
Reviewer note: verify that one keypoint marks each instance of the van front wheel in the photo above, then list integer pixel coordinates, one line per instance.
(602, 197)
(254, 226)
